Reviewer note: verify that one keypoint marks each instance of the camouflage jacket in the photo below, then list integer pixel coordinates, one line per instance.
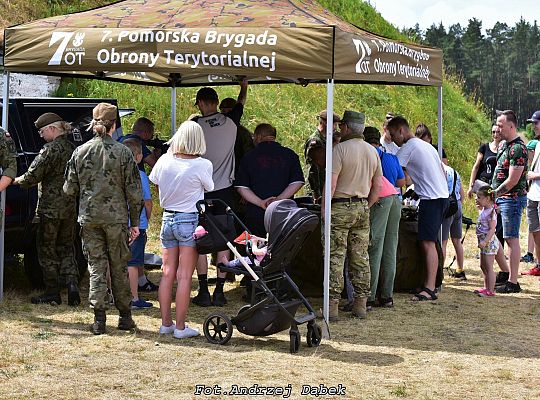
(47, 171)
(103, 174)
(8, 155)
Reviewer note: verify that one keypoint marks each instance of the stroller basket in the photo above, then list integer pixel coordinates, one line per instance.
(218, 220)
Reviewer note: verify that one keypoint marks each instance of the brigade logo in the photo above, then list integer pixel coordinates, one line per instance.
(364, 51)
(65, 54)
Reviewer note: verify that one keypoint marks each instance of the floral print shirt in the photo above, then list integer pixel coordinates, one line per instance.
(511, 154)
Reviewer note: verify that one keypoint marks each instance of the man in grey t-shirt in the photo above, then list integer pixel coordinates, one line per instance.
(220, 136)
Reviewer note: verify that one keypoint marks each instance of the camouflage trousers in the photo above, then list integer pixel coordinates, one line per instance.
(106, 249)
(55, 249)
(349, 235)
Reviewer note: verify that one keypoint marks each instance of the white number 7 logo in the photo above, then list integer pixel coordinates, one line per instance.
(56, 36)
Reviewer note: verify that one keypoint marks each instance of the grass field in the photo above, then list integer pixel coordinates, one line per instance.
(459, 347)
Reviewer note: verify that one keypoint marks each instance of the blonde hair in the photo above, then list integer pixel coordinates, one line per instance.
(63, 126)
(188, 139)
(101, 127)
(134, 145)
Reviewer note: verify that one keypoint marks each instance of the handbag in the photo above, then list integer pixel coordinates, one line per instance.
(453, 201)
(213, 241)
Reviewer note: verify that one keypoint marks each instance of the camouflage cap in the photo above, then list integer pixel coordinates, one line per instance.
(47, 119)
(104, 112)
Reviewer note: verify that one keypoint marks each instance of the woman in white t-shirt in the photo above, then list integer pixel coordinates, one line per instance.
(182, 177)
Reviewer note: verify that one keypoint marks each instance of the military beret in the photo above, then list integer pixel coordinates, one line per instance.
(47, 119)
(324, 114)
(104, 112)
(354, 117)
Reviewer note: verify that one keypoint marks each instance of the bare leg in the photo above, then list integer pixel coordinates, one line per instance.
(432, 261)
(501, 260)
(222, 257)
(202, 265)
(444, 243)
(169, 267)
(459, 252)
(134, 281)
(187, 259)
(489, 274)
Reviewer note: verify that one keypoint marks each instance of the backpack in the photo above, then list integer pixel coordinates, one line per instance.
(453, 201)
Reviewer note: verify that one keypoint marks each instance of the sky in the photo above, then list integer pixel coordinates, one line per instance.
(406, 13)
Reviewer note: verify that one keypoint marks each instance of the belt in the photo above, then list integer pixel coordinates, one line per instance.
(172, 212)
(348, 199)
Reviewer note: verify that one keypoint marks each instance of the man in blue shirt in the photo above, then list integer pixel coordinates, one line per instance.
(142, 130)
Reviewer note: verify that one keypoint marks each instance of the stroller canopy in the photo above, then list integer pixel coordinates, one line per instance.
(280, 217)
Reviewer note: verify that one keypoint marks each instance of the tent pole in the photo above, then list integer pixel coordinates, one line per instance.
(5, 109)
(439, 119)
(173, 109)
(327, 198)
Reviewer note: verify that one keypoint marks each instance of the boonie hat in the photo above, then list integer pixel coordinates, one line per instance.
(372, 134)
(104, 112)
(535, 117)
(324, 114)
(353, 116)
(47, 119)
(206, 94)
(229, 102)
(531, 144)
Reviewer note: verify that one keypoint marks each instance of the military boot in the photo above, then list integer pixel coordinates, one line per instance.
(125, 322)
(53, 299)
(100, 318)
(359, 309)
(74, 299)
(333, 313)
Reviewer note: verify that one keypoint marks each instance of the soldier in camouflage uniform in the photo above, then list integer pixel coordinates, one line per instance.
(55, 212)
(314, 152)
(103, 174)
(356, 180)
(8, 159)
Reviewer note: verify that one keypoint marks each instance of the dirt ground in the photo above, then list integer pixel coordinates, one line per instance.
(459, 347)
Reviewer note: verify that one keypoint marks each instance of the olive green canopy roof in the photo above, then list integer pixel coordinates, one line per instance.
(201, 42)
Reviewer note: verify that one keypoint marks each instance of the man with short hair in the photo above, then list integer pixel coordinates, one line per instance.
(315, 154)
(510, 186)
(425, 169)
(268, 173)
(244, 139)
(220, 136)
(386, 140)
(143, 130)
(355, 186)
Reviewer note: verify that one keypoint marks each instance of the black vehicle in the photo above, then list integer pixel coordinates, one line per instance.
(20, 233)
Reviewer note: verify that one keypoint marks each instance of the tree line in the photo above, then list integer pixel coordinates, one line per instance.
(500, 68)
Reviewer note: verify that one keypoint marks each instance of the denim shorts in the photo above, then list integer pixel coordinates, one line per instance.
(533, 215)
(511, 210)
(137, 250)
(177, 229)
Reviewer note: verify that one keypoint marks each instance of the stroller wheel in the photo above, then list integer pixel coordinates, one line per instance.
(217, 328)
(295, 342)
(314, 335)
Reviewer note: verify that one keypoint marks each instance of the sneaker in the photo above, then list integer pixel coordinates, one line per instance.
(187, 332)
(485, 293)
(534, 271)
(202, 299)
(218, 299)
(459, 275)
(52, 299)
(502, 278)
(527, 258)
(140, 304)
(509, 288)
(479, 290)
(148, 287)
(167, 330)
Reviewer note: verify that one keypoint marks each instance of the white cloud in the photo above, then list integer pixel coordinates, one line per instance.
(406, 13)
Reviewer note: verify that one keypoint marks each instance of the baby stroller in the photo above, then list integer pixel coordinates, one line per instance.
(275, 298)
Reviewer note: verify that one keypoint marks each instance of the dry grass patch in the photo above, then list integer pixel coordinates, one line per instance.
(460, 346)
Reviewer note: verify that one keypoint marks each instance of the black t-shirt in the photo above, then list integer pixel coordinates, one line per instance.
(437, 148)
(488, 164)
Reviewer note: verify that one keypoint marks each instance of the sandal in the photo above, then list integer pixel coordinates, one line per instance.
(388, 303)
(420, 297)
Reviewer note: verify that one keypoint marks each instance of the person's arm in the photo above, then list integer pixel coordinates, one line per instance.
(148, 205)
(132, 189)
(514, 174)
(5, 181)
(36, 171)
(400, 182)
(474, 173)
(150, 160)
(376, 185)
(290, 190)
(491, 232)
(248, 195)
(71, 177)
(243, 92)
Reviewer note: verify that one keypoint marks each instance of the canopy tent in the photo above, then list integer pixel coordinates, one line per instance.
(214, 42)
